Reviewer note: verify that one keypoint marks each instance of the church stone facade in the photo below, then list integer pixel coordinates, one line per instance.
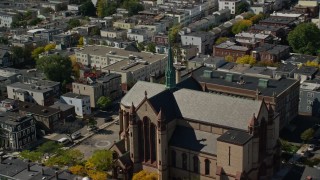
(181, 132)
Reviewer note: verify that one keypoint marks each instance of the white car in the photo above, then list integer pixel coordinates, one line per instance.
(310, 147)
(76, 135)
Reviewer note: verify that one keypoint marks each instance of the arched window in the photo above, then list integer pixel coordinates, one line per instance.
(173, 158)
(146, 134)
(207, 167)
(184, 161)
(195, 164)
(141, 140)
(153, 140)
(263, 139)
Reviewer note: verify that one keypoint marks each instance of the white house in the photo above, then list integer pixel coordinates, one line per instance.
(139, 35)
(6, 19)
(81, 103)
(203, 40)
(229, 4)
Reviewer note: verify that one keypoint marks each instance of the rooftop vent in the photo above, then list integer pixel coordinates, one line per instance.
(263, 83)
(229, 77)
(207, 73)
(44, 110)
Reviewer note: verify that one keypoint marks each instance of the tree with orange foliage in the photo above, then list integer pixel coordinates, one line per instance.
(240, 26)
(78, 170)
(145, 175)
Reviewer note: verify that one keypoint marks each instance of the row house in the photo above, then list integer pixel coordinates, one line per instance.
(113, 33)
(139, 35)
(203, 40)
(252, 40)
(307, 7)
(276, 31)
(47, 118)
(230, 49)
(18, 131)
(271, 52)
(41, 95)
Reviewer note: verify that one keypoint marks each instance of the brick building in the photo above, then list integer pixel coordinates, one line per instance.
(230, 49)
(271, 52)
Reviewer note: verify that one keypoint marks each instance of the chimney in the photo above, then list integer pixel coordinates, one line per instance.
(28, 167)
(57, 175)
(152, 77)
(178, 75)
(42, 171)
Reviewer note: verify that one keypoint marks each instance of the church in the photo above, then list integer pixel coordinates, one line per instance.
(181, 132)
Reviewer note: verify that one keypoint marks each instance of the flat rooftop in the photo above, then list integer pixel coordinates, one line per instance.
(74, 95)
(110, 51)
(37, 109)
(13, 118)
(232, 46)
(30, 87)
(235, 137)
(219, 78)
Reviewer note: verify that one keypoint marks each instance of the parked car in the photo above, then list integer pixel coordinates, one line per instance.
(63, 141)
(92, 128)
(310, 147)
(76, 135)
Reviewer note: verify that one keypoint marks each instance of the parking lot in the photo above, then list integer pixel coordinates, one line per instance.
(101, 140)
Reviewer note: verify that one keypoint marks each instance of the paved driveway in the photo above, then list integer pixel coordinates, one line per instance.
(101, 140)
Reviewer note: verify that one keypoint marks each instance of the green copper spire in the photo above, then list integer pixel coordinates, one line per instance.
(170, 71)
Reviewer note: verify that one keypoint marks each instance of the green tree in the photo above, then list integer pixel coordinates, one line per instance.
(133, 7)
(105, 8)
(305, 39)
(72, 23)
(101, 5)
(49, 47)
(33, 156)
(242, 7)
(221, 40)
(34, 21)
(49, 147)
(256, 18)
(53, 65)
(35, 53)
(4, 40)
(95, 31)
(101, 160)
(174, 33)
(87, 9)
(104, 102)
(48, 10)
(151, 47)
(307, 134)
(92, 122)
(240, 26)
(141, 46)
(70, 157)
(17, 53)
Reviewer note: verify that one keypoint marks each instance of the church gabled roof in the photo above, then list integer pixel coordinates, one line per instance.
(137, 92)
(167, 103)
(216, 109)
(190, 83)
(195, 140)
